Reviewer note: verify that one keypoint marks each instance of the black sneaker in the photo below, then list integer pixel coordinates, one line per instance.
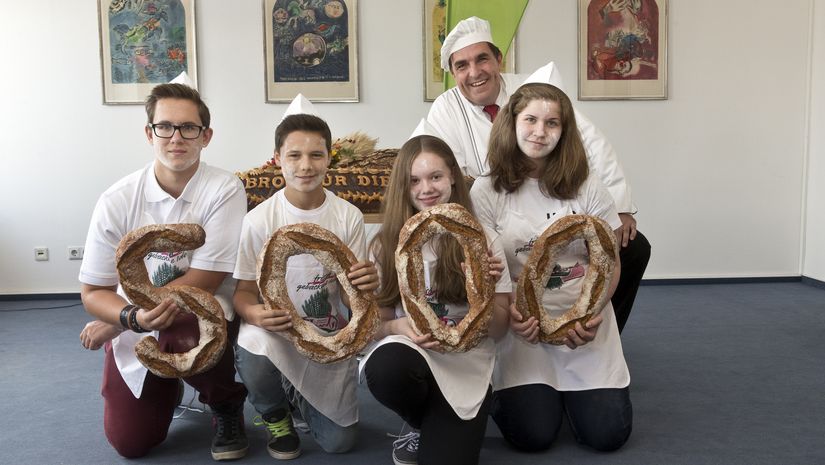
(284, 443)
(405, 448)
(230, 441)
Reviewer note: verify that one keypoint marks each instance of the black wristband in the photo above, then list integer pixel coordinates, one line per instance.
(124, 316)
(133, 323)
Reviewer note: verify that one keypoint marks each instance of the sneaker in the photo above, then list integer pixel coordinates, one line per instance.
(405, 448)
(284, 443)
(230, 440)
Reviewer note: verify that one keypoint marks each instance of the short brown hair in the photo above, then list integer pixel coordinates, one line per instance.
(302, 122)
(176, 91)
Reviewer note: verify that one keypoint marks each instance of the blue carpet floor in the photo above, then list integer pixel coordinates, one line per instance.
(721, 374)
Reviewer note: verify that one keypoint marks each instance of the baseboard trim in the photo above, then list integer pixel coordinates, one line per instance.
(813, 282)
(679, 281)
(56, 296)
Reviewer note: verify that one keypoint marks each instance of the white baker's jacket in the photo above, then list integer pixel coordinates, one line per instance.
(466, 129)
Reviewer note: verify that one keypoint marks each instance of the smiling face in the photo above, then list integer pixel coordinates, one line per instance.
(431, 182)
(476, 72)
(538, 128)
(177, 156)
(303, 159)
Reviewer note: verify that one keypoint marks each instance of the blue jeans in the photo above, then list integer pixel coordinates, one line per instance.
(530, 416)
(269, 390)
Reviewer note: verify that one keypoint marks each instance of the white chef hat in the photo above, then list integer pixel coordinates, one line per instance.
(547, 74)
(467, 32)
(183, 78)
(300, 105)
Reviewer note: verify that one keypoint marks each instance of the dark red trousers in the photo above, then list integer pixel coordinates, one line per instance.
(134, 426)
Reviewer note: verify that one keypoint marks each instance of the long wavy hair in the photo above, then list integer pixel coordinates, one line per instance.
(397, 208)
(566, 168)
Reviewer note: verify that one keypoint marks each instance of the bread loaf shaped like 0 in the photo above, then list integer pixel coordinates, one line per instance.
(328, 249)
(453, 219)
(601, 244)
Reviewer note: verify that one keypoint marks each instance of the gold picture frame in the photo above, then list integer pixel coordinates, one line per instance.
(311, 50)
(143, 44)
(622, 49)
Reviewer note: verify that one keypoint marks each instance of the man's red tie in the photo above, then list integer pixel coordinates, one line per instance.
(491, 110)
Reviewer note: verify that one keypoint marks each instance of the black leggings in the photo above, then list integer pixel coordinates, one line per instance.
(634, 260)
(530, 416)
(401, 380)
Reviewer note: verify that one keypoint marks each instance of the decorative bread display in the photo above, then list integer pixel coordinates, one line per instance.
(134, 279)
(601, 245)
(452, 219)
(328, 249)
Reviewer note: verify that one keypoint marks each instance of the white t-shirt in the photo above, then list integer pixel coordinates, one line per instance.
(466, 129)
(463, 378)
(213, 198)
(520, 218)
(314, 292)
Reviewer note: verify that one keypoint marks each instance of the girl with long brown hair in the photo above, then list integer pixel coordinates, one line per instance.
(444, 396)
(538, 174)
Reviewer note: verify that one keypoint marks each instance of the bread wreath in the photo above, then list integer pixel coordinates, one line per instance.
(325, 246)
(601, 245)
(134, 279)
(456, 220)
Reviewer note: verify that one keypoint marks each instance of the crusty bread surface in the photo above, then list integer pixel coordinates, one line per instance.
(134, 279)
(601, 244)
(448, 218)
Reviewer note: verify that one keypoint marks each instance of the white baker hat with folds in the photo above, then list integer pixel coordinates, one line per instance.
(300, 105)
(183, 78)
(547, 74)
(467, 32)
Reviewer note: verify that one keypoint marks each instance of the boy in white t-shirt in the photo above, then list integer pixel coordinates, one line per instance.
(278, 377)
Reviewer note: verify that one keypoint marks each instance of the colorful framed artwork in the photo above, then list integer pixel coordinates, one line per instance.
(622, 49)
(310, 47)
(435, 30)
(143, 44)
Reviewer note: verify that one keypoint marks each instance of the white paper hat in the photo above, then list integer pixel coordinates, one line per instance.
(300, 105)
(183, 78)
(467, 32)
(547, 74)
(424, 128)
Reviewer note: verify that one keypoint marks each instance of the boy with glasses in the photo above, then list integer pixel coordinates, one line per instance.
(175, 188)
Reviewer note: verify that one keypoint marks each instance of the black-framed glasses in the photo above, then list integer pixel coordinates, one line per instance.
(187, 131)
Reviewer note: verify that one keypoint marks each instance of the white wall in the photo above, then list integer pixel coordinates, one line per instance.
(717, 169)
(814, 253)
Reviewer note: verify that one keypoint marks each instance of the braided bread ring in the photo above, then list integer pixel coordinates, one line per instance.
(134, 279)
(325, 246)
(420, 228)
(601, 245)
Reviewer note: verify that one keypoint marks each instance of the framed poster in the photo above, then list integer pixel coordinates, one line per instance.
(622, 49)
(143, 44)
(310, 47)
(435, 30)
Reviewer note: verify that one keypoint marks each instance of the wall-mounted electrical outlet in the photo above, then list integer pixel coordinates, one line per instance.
(75, 252)
(41, 254)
